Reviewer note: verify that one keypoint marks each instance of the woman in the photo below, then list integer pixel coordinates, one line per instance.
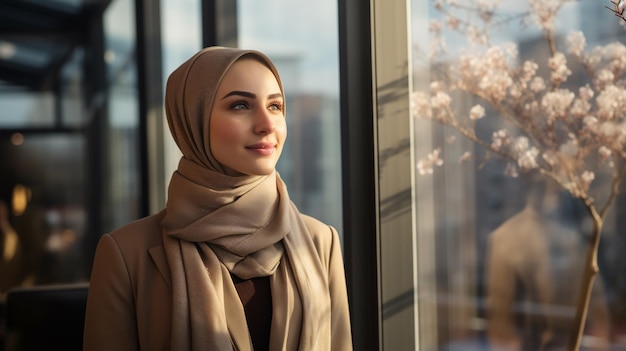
(230, 263)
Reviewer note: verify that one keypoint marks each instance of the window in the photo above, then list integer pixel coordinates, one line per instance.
(499, 250)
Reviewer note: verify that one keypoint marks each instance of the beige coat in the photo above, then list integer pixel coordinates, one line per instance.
(129, 303)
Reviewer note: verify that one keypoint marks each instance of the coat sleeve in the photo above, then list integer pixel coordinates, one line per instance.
(501, 287)
(340, 322)
(110, 322)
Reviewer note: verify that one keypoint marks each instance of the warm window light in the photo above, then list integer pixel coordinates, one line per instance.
(21, 197)
(7, 50)
(109, 56)
(17, 139)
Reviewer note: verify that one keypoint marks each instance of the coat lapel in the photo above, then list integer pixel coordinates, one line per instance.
(157, 254)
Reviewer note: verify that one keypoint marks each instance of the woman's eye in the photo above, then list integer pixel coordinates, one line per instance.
(276, 106)
(239, 106)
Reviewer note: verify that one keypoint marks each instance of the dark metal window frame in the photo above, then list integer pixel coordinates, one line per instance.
(359, 184)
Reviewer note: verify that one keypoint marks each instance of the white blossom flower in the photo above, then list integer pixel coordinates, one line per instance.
(585, 93)
(580, 108)
(527, 160)
(556, 103)
(521, 144)
(477, 112)
(495, 85)
(544, 12)
(604, 77)
(604, 153)
(576, 43)
(529, 70)
(437, 86)
(425, 166)
(421, 105)
(559, 69)
(441, 100)
(537, 85)
(611, 102)
(615, 52)
(586, 178)
(500, 138)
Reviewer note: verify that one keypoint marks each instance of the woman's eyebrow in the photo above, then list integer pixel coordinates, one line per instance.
(240, 93)
(250, 95)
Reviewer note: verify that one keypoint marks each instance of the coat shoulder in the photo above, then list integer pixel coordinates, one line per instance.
(324, 236)
(314, 224)
(140, 235)
(318, 229)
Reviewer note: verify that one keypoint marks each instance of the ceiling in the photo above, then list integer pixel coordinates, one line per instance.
(38, 36)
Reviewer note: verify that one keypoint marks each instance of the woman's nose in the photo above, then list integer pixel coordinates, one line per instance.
(264, 122)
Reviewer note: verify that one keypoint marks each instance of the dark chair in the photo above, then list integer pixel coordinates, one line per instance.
(46, 318)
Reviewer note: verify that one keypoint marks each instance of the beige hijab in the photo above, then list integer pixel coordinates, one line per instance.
(216, 225)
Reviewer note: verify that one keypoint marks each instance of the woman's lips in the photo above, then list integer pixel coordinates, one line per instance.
(263, 149)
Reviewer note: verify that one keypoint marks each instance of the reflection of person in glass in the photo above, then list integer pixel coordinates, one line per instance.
(534, 268)
(230, 264)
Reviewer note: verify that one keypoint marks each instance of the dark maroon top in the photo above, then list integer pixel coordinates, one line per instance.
(256, 296)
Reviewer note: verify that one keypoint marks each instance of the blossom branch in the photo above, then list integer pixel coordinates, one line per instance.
(618, 8)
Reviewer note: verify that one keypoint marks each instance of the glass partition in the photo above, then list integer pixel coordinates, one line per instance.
(68, 129)
(42, 209)
(507, 97)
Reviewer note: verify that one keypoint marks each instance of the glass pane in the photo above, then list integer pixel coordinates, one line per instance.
(304, 47)
(508, 143)
(181, 34)
(72, 84)
(29, 67)
(123, 135)
(42, 210)
(21, 109)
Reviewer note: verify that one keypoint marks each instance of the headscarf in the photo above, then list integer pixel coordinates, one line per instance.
(216, 225)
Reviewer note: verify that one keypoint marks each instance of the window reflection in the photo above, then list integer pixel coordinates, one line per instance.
(42, 216)
(53, 92)
(500, 257)
(533, 271)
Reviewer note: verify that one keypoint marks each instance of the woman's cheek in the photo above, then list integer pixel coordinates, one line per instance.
(281, 130)
(224, 132)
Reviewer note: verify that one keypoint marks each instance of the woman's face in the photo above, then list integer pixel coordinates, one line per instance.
(248, 127)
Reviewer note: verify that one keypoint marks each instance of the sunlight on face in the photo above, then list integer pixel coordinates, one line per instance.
(248, 128)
